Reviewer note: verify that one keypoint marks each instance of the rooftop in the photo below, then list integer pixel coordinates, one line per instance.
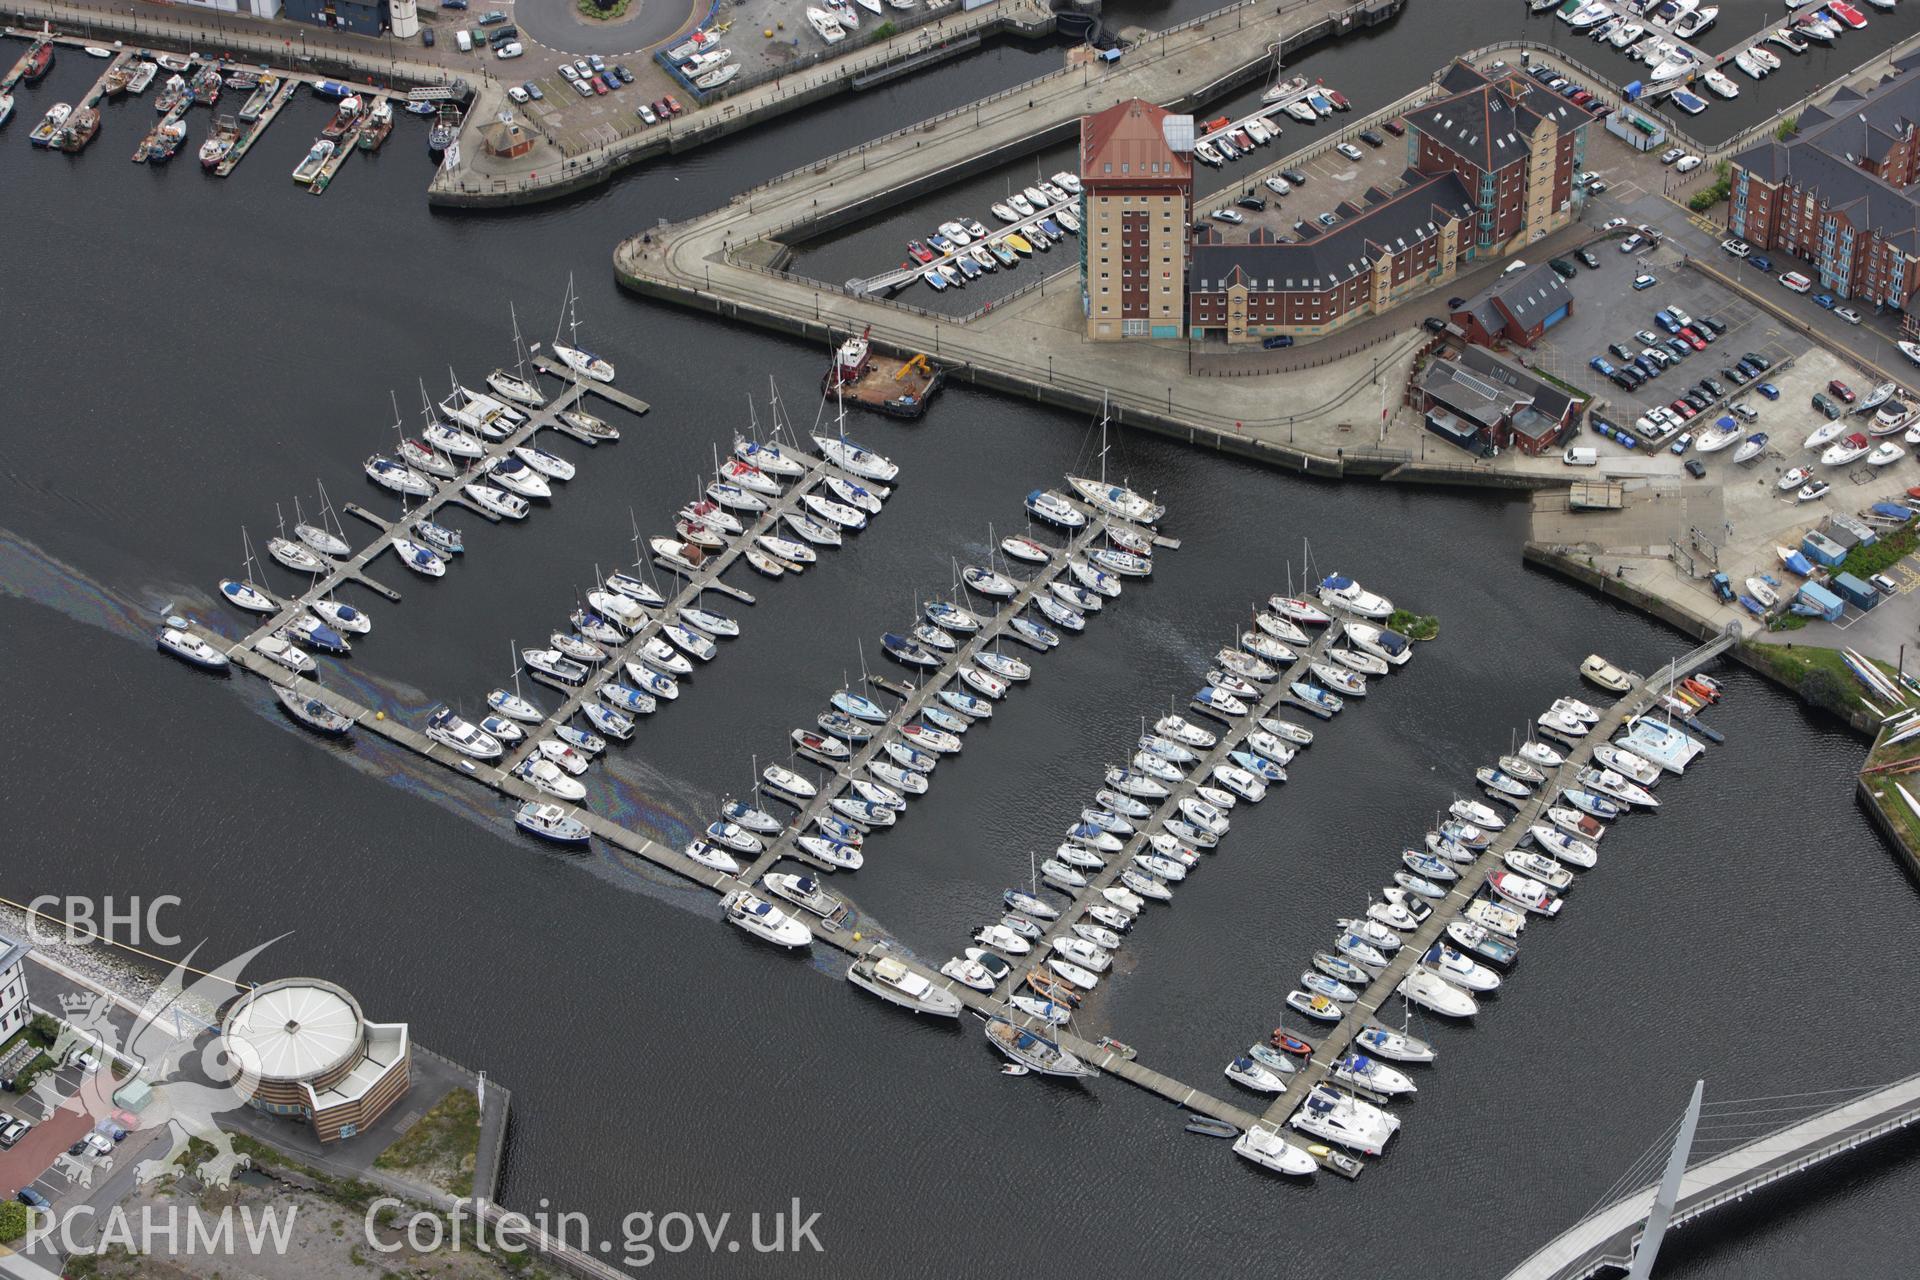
(1527, 296)
(1394, 223)
(1490, 121)
(294, 1029)
(1136, 139)
(12, 951)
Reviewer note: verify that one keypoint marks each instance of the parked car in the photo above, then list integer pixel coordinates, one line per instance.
(1699, 399)
(1562, 268)
(1631, 243)
(516, 93)
(1824, 301)
(1596, 188)
(1586, 256)
(1328, 219)
(1372, 139)
(1714, 323)
(1696, 468)
(1848, 314)
(1348, 150)
(1758, 361)
(1664, 359)
(1250, 201)
(1692, 339)
(1279, 340)
(1723, 587)
(1683, 442)
(1646, 366)
(511, 49)
(645, 113)
(1685, 411)
(1228, 215)
(1613, 224)
(1842, 390)
(1768, 390)
(1825, 406)
(533, 91)
(1686, 164)
(620, 69)
(1600, 366)
(597, 62)
(1795, 281)
(1738, 248)
(583, 67)
(566, 69)
(1620, 349)
(1435, 324)
(32, 1199)
(453, 4)
(1735, 376)
(1645, 281)
(1712, 388)
(1646, 336)
(582, 88)
(12, 1130)
(1671, 154)
(1294, 176)
(1744, 411)
(493, 17)
(1884, 585)
(1395, 128)
(1680, 349)
(426, 36)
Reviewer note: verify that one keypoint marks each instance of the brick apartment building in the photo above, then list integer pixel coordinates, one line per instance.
(1136, 168)
(1840, 193)
(1490, 169)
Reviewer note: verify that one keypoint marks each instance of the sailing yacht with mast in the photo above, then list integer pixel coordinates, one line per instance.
(517, 386)
(1113, 499)
(574, 357)
(245, 593)
(325, 537)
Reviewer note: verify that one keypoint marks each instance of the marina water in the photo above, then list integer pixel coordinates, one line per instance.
(187, 352)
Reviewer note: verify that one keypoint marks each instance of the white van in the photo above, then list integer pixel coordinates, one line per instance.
(464, 39)
(1581, 457)
(1518, 264)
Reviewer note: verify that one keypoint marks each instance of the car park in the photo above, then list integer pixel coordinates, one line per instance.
(1848, 314)
(1795, 281)
(1884, 585)
(1686, 164)
(1768, 390)
(1738, 248)
(1348, 150)
(1842, 390)
(1645, 281)
(1586, 256)
(1825, 406)
(1696, 468)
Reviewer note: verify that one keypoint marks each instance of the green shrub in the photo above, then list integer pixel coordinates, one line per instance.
(605, 12)
(14, 1221)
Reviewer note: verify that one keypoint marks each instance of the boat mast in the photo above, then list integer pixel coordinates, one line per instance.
(519, 348)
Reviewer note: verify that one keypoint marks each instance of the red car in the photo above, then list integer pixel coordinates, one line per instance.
(1685, 410)
(1842, 390)
(599, 85)
(673, 106)
(1692, 339)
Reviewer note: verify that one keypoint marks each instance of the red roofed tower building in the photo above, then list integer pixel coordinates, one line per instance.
(1136, 171)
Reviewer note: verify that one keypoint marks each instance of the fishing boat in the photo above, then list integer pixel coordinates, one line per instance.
(309, 167)
(48, 129)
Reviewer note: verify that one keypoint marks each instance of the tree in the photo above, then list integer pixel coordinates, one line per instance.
(14, 1221)
(1819, 687)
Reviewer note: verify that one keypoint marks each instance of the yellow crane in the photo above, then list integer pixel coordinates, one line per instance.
(919, 362)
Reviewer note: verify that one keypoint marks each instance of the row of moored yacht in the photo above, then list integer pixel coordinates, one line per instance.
(965, 249)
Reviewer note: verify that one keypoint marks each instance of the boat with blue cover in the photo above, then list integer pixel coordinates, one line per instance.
(608, 721)
(860, 707)
(908, 652)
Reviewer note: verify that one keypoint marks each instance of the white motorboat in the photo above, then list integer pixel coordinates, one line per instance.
(1846, 449)
(1389, 646)
(1340, 592)
(174, 638)
(1266, 1148)
(1394, 1045)
(1252, 1075)
(753, 914)
(450, 730)
(496, 501)
(1436, 995)
(1524, 892)
(1376, 1077)
(1720, 85)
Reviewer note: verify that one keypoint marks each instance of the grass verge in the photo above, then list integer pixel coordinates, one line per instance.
(443, 1146)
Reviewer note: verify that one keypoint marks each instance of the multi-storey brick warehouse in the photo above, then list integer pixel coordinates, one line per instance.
(1490, 168)
(1136, 169)
(1841, 194)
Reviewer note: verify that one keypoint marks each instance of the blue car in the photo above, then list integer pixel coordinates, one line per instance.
(1646, 366)
(32, 1199)
(1600, 366)
(533, 91)
(1824, 301)
(1759, 263)
(1768, 390)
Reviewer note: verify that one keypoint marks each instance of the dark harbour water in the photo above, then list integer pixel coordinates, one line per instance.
(182, 353)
